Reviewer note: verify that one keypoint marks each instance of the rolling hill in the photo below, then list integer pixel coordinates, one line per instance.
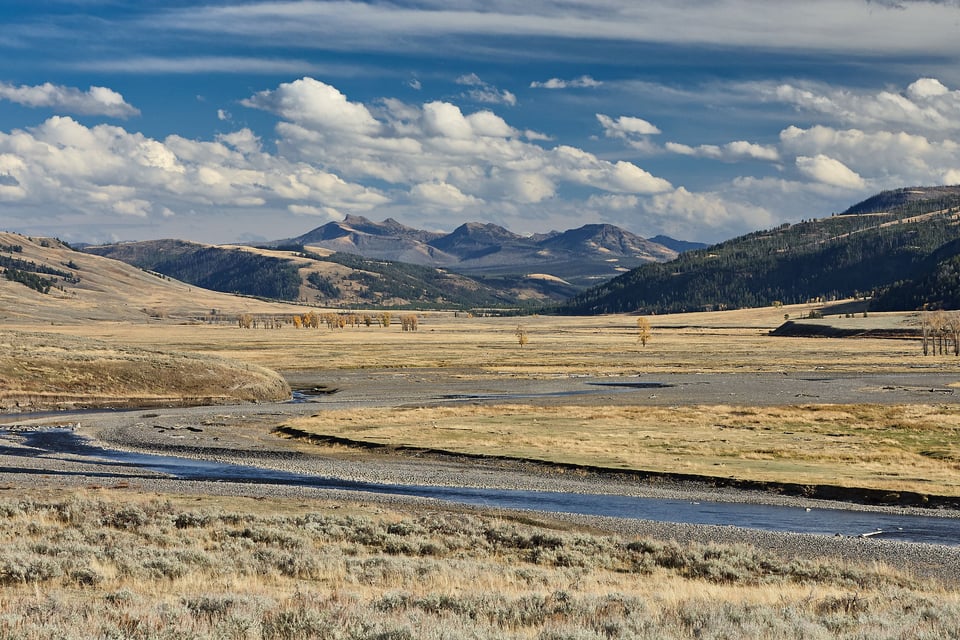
(45, 281)
(318, 276)
(892, 246)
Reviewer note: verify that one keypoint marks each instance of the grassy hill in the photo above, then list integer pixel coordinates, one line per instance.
(862, 252)
(44, 371)
(43, 281)
(318, 276)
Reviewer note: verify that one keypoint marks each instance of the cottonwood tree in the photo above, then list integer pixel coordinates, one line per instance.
(408, 322)
(941, 332)
(522, 337)
(643, 331)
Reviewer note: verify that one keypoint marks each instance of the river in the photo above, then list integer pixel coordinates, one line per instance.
(882, 525)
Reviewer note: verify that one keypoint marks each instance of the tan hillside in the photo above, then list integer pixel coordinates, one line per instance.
(40, 371)
(107, 289)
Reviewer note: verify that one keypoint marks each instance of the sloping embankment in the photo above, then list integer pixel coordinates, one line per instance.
(820, 329)
(40, 371)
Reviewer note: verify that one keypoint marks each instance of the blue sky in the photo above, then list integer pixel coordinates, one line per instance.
(244, 121)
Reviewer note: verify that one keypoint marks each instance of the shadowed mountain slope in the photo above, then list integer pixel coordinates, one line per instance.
(864, 251)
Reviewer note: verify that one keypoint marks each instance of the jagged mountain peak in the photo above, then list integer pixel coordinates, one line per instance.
(486, 230)
(608, 238)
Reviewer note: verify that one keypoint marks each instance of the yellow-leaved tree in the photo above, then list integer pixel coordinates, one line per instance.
(643, 330)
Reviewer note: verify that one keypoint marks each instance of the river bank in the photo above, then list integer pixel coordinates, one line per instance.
(243, 435)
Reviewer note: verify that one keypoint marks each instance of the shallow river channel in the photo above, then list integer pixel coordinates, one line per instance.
(890, 526)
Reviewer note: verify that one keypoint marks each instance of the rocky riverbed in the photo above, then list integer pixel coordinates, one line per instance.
(244, 434)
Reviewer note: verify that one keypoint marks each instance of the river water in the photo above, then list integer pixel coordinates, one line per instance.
(891, 526)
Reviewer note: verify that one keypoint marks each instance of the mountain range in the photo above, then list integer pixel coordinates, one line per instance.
(899, 249)
(358, 262)
(582, 257)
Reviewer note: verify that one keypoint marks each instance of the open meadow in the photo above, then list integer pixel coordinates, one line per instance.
(718, 342)
(905, 442)
(137, 561)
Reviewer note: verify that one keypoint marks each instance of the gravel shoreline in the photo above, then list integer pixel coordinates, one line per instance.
(242, 435)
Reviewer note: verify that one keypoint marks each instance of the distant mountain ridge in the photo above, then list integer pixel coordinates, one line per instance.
(680, 246)
(899, 198)
(581, 257)
(321, 277)
(900, 247)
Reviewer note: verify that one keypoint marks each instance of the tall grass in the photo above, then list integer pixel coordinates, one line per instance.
(92, 565)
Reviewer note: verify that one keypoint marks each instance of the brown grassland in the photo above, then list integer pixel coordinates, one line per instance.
(120, 563)
(721, 342)
(51, 371)
(107, 563)
(895, 448)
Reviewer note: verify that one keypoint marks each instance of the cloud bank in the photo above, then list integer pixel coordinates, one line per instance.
(99, 101)
(333, 156)
(330, 156)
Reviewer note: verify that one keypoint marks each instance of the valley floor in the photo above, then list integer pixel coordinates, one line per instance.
(244, 434)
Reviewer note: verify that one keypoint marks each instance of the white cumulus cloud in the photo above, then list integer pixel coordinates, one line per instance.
(62, 165)
(432, 149)
(94, 101)
(443, 195)
(626, 126)
(729, 152)
(685, 214)
(926, 104)
(316, 104)
(829, 171)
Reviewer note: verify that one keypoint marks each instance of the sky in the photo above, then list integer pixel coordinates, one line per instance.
(246, 121)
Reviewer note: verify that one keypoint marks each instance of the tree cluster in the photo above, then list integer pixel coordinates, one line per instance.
(32, 280)
(324, 285)
(314, 320)
(941, 332)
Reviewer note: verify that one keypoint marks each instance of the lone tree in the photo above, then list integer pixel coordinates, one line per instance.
(522, 337)
(643, 330)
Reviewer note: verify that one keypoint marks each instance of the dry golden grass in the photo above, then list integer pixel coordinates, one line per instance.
(792, 448)
(108, 290)
(895, 448)
(735, 341)
(50, 371)
(104, 563)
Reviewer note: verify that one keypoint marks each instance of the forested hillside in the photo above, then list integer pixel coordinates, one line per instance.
(935, 284)
(226, 270)
(863, 252)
